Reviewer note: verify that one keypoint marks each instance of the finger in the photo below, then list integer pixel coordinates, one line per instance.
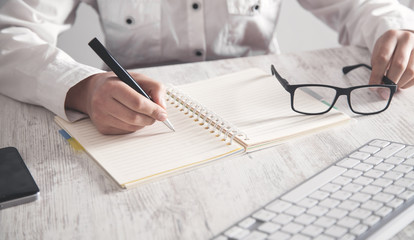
(126, 115)
(381, 56)
(111, 125)
(153, 88)
(409, 84)
(137, 102)
(400, 58)
(408, 75)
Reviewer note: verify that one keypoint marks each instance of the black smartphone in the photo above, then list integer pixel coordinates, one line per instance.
(17, 185)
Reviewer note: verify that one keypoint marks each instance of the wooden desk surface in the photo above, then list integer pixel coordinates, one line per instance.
(79, 201)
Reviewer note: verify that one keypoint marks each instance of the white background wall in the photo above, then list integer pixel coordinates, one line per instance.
(297, 30)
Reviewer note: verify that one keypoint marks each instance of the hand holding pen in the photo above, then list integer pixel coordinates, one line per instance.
(116, 108)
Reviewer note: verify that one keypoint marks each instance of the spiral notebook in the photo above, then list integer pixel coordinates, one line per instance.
(215, 118)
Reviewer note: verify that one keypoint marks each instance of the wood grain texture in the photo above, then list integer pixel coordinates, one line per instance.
(79, 201)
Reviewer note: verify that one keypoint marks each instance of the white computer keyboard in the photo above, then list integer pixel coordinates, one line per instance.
(351, 199)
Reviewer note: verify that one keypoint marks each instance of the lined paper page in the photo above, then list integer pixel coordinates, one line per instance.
(152, 151)
(255, 102)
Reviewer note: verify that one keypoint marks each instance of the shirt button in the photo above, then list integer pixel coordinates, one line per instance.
(129, 20)
(195, 6)
(198, 53)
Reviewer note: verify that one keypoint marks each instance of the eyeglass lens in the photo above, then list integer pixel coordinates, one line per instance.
(363, 100)
(369, 99)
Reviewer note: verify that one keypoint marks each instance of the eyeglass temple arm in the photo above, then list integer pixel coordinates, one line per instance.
(282, 81)
(347, 69)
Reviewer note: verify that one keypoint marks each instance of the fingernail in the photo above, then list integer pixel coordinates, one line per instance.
(162, 116)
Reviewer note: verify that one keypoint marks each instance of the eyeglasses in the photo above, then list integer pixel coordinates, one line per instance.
(364, 99)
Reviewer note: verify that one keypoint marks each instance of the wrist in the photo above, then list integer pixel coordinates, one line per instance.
(76, 97)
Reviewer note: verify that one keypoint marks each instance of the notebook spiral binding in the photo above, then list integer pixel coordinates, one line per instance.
(216, 124)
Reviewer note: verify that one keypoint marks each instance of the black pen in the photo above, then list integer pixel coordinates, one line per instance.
(120, 71)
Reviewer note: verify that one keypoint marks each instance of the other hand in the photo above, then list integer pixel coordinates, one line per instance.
(113, 106)
(393, 56)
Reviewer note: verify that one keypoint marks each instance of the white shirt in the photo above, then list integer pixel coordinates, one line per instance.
(154, 32)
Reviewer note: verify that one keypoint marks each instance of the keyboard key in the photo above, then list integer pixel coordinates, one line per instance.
(409, 161)
(352, 187)
(359, 229)
(373, 173)
(371, 220)
(348, 162)
(319, 195)
(360, 155)
(330, 187)
(348, 222)
(406, 152)
(395, 203)
(384, 166)
(279, 236)
(295, 210)
(383, 197)
(312, 230)
(337, 213)
(394, 160)
(373, 160)
(318, 211)
(371, 189)
(336, 231)
(349, 205)
(325, 222)
(278, 206)
(360, 197)
(292, 228)
(363, 180)
(329, 203)
(282, 219)
(403, 168)
(313, 184)
(247, 223)
(348, 236)
(382, 182)
(269, 227)
(384, 211)
(300, 237)
(341, 195)
(406, 195)
(389, 150)
(352, 173)
(342, 180)
(393, 175)
(404, 182)
(379, 143)
(307, 202)
(372, 205)
(360, 213)
(409, 175)
(236, 232)
(221, 237)
(369, 149)
(255, 235)
(394, 189)
(305, 219)
(363, 167)
(264, 215)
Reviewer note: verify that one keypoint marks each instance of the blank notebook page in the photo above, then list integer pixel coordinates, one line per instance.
(152, 151)
(256, 103)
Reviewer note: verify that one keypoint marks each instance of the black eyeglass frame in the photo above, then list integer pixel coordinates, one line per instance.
(291, 88)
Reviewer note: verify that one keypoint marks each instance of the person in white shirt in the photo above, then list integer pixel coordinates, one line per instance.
(154, 32)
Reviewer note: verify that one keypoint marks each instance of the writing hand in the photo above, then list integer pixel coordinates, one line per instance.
(113, 106)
